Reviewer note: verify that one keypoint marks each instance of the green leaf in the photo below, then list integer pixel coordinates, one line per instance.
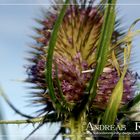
(115, 99)
(113, 105)
(52, 44)
(116, 63)
(103, 46)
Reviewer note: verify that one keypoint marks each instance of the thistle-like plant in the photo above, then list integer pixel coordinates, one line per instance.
(80, 66)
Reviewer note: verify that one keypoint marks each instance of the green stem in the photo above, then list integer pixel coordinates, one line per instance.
(35, 120)
(77, 127)
(46, 118)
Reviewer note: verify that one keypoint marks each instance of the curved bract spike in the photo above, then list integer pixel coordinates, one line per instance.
(12, 106)
(50, 57)
(103, 47)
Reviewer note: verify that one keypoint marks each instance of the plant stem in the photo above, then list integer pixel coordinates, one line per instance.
(77, 128)
(35, 120)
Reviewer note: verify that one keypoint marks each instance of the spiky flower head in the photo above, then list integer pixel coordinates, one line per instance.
(74, 64)
(75, 54)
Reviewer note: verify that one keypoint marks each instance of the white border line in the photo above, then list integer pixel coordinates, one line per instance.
(31, 4)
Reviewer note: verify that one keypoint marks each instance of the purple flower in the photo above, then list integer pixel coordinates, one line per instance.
(75, 52)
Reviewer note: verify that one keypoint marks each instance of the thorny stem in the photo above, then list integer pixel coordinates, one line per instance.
(35, 120)
(46, 118)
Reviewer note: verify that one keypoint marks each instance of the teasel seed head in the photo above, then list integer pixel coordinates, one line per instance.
(75, 58)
